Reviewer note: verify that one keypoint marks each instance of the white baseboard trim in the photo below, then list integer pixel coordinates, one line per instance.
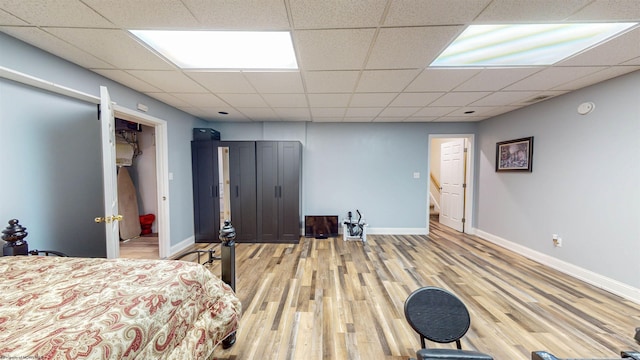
(391, 231)
(181, 246)
(613, 286)
(396, 231)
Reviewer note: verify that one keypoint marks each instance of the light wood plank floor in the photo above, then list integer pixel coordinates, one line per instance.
(329, 299)
(142, 247)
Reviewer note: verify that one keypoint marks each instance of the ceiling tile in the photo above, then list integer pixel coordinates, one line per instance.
(168, 81)
(333, 112)
(275, 82)
(600, 76)
(293, 114)
(332, 49)
(416, 99)
(336, 14)
(145, 14)
(8, 19)
(62, 13)
(213, 114)
(168, 99)
(115, 47)
(435, 111)
(259, 113)
(440, 79)
(497, 110)
(127, 79)
(416, 118)
(614, 10)
(222, 81)
(614, 51)
(635, 61)
(239, 14)
(505, 98)
(243, 100)
(372, 99)
(331, 81)
(433, 12)
(461, 98)
(286, 100)
(385, 80)
(411, 47)
(513, 11)
(363, 112)
(552, 77)
(52, 44)
(359, 119)
(331, 100)
(495, 79)
(399, 111)
(201, 100)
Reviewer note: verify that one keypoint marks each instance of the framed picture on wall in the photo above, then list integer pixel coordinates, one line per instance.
(514, 155)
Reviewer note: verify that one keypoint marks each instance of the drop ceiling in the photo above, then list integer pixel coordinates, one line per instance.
(359, 61)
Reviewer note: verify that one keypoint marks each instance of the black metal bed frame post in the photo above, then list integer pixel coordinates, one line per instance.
(228, 253)
(228, 267)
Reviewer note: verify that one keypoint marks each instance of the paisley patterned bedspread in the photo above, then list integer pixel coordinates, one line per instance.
(69, 308)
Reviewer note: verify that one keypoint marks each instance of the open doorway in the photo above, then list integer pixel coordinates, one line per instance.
(137, 190)
(450, 186)
(151, 177)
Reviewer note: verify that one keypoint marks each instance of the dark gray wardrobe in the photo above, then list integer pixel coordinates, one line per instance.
(265, 190)
(278, 183)
(206, 194)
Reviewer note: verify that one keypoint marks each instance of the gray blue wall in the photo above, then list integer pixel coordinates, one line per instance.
(349, 166)
(585, 183)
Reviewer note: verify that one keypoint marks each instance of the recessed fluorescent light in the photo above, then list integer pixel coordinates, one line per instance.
(524, 44)
(223, 49)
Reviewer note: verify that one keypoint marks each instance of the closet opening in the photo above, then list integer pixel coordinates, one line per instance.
(137, 189)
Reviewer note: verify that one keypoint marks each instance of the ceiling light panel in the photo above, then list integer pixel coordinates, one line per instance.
(524, 44)
(223, 49)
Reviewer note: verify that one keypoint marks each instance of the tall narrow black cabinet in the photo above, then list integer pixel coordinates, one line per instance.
(206, 193)
(278, 165)
(242, 185)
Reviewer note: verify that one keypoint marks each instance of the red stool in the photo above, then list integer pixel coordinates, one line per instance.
(146, 221)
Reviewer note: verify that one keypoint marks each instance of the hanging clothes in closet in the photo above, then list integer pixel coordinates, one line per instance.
(126, 151)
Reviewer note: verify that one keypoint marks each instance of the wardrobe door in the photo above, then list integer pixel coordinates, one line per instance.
(267, 190)
(242, 181)
(289, 179)
(206, 201)
(278, 167)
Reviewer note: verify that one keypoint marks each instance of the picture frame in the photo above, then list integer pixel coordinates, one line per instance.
(515, 155)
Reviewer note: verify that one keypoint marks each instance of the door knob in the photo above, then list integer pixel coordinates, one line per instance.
(108, 219)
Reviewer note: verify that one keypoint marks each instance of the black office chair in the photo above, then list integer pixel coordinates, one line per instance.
(439, 316)
(543, 355)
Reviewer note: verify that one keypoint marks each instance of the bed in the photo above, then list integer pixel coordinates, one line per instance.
(66, 308)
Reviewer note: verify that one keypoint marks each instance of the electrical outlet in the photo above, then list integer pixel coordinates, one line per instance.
(557, 241)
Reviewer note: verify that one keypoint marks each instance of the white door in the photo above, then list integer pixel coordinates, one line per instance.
(452, 181)
(109, 181)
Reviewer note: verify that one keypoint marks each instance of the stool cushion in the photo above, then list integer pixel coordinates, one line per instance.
(450, 354)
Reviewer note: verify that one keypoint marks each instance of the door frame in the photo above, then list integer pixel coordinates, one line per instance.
(469, 178)
(162, 171)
